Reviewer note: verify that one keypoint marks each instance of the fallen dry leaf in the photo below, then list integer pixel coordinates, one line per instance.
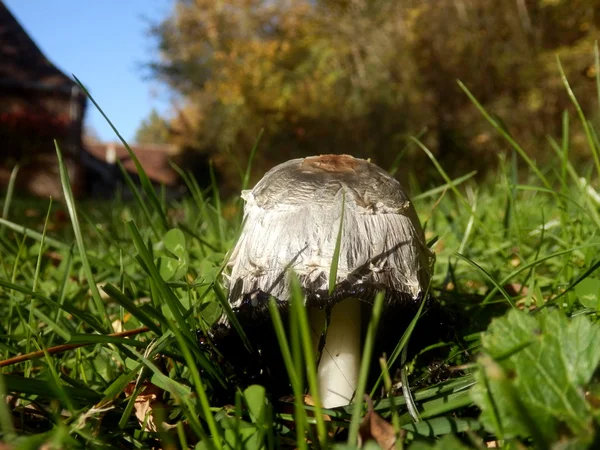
(145, 402)
(514, 289)
(55, 257)
(31, 212)
(288, 407)
(308, 400)
(374, 427)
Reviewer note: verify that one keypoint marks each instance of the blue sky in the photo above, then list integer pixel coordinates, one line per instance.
(105, 44)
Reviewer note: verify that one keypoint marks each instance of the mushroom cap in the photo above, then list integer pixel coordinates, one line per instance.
(292, 220)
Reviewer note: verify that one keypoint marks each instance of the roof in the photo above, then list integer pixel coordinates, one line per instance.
(22, 63)
(153, 158)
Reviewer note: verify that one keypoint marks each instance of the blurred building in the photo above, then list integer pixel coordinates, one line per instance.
(104, 176)
(38, 104)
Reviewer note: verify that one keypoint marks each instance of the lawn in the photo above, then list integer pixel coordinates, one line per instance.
(112, 306)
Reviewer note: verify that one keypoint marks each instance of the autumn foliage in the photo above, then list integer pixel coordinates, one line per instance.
(360, 76)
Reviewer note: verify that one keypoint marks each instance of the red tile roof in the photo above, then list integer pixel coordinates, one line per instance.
(153, 158)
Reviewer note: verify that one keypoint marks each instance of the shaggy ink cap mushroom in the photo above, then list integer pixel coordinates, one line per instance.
(291, 223)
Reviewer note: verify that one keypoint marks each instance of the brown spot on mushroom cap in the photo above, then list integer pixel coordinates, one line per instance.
(330, 163)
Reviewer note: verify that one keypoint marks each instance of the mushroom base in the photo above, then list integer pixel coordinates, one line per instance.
(265, 366)
(339, 357)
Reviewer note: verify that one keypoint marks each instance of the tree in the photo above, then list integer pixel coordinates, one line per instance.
(153, 130)
(360, 76)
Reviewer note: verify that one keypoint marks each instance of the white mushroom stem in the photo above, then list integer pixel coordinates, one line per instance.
(340, 361)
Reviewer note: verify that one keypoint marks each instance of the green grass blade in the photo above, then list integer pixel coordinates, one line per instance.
(180, 392)
(144, 180)
(496, 285)
(300, 316)
(299, 411)
(199, 387)
(532, 165)
(217, 201)
(7, 430)
(584, 122)
(139, 200)
(10, 189)
(597, 70)
(441, 426)
(165, 291)
(364, 368)
(33, 234)
(387, 383)
(103, 339)
(52, 324)
(406, 392)
(246, 179)
(442, 172)
(401, 344)
(459, 196)
(336, 252)
(579, 279)
(438, 391)
(527, 266)
(38, 263)
(232, 318)
(131, 307)
(56, 385)
(469, 227)
(63, 285)
(396, 163)
(42, 388)
(446, 404)
(84, 317)
(444, 187)
(70, 202)
(173, 303)
(32, 305)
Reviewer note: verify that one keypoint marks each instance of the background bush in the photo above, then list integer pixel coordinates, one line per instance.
(360, 76)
